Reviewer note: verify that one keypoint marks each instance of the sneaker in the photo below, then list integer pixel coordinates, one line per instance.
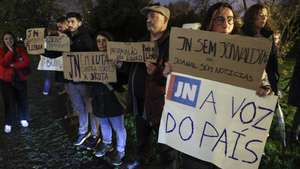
(62, 92)
(45, 93)
(133, 165)
(24, 123)
(92, 142)
(117, 158)
(81, 138)
(7, 128)
(103, 149)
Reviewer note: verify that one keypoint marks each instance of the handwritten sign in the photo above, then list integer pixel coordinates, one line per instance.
(58, 43)
(35, 41)
(232, 59)
(89, 66)
(218, 123)
(55, 64)
(132, 51)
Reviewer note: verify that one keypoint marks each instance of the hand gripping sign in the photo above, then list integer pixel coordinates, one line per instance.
(216, 122)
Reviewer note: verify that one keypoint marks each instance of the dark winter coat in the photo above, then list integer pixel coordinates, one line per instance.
(294, 92)
(82, 41)
(105, 102)
(155, 84)
(136, 87)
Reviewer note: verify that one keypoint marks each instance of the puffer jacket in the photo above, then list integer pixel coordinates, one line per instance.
(21, 63)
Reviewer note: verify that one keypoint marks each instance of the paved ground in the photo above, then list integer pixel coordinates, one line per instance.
(47, 143)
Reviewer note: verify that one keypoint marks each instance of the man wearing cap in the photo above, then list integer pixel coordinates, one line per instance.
(149, 113)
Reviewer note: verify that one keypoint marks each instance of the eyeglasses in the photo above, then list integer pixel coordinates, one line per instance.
(219, 20)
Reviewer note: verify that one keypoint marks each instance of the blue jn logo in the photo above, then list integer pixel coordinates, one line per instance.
(184, 90)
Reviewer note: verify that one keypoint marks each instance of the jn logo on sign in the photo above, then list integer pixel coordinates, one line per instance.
(184, 90)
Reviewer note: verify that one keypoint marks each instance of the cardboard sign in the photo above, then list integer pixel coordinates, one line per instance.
(58, 43)
(35, 41)
(132, 51)
(89, 67)
(215, 122)
(55, 64)
(232, 59)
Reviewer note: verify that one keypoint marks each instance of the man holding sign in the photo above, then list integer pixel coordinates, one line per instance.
(81, 41)
(149, 116)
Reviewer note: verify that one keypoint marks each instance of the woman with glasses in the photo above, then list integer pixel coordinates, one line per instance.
(220, 18)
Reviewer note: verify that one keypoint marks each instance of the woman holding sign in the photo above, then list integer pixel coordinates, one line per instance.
(256, 25)
(220, 18)
(14, 71)
(109, 112)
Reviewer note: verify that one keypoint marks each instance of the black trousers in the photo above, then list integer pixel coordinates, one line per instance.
(145, 133)
(15, 101)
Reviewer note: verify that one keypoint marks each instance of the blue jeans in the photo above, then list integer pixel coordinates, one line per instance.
(117, 124)
(79, 97)
(47, 81)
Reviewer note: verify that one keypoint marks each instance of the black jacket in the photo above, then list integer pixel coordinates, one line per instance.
(104, 102)
(82, 41)
(294, 92)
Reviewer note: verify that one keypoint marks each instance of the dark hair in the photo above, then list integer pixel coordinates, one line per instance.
(61, 19)
(210, 14)
(51, 30)
(75, 15)
(106, 34)
(249, 21)
(14, 38)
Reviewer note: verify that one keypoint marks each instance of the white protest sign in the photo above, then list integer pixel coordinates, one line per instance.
(218, 123)
(233, 59)
(89, 67)
(51, 64)
(58, 43)
(35, 41)
(132, 51)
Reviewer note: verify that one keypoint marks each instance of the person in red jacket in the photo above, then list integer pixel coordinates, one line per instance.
(14, 71)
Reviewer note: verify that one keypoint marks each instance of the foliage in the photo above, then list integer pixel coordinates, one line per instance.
(182, 12)
(18, 15)
(121, 18)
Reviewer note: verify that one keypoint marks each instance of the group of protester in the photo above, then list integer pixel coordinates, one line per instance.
(96, 103)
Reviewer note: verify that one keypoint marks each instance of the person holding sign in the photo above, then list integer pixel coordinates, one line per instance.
(14, 71)
(109, 112)
(256, 25)
(157, 18)
(81, 41)
(220, 18)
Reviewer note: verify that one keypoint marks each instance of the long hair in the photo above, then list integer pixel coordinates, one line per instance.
(106, 34)
(213, 11)
(249, 19)
(3, 43)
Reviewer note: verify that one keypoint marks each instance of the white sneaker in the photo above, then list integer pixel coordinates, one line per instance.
(24, 123)
(7, 128)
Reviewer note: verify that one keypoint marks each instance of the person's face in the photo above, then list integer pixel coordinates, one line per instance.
(8, 40)
(73, 24)
(261, 18)
(101, 42)
(223, 22)
(156, 22)
(62, 26)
